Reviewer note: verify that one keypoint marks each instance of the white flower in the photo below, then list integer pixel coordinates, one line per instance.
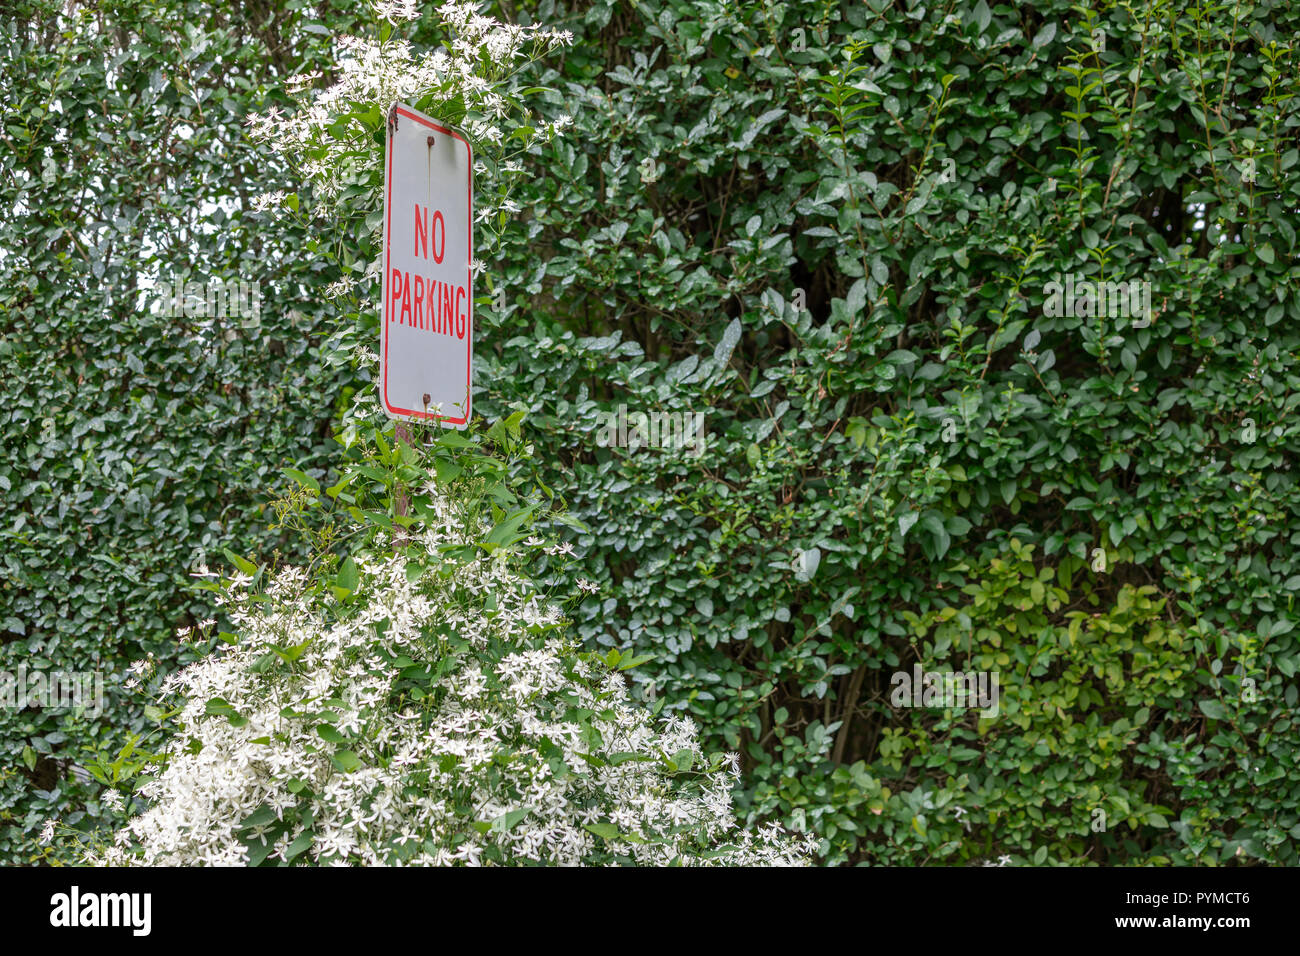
(265, 201)
(145, 666)
(341, 286)
(477, 71)
(397, 9)
(493, 731)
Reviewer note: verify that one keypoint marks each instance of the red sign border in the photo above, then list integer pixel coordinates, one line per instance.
(469, 271)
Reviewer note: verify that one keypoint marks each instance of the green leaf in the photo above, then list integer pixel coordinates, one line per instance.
(346, 761)
(628, 663)
(509, 820)
(1213, 709)
(507, 530)
(243, 564)
(304, 479)
(300, 845)
(612, 834)
(349, 576)
(259, 817)
(329, 734)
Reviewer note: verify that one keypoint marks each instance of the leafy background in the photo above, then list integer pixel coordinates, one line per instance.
(136, 445)
(829, 227)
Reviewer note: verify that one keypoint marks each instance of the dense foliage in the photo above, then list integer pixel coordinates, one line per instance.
(419, 703)
(911, 459)
(137, 442)
(830, 228)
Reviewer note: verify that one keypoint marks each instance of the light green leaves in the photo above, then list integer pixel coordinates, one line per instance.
(347, 580)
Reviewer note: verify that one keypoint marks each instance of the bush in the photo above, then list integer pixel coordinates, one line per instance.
(421, 707)
(832, 229)
(137, 443)
(425, 707)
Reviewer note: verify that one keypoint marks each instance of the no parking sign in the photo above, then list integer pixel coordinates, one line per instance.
(427, 337)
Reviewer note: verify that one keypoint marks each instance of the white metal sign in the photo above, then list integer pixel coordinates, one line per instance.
(427, 337)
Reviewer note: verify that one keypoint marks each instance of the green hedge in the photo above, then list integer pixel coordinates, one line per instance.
(136, 445)
(957, 459)
(831, 229)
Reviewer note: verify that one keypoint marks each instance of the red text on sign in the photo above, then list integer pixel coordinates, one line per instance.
(429, 304)
(424, 227)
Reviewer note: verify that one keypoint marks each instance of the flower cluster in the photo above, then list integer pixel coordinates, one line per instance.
(468, 82)
(436, 714)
